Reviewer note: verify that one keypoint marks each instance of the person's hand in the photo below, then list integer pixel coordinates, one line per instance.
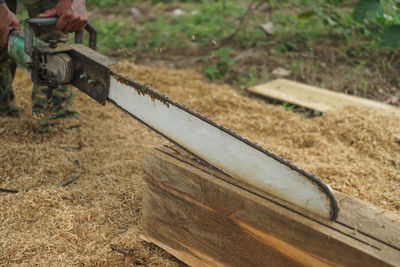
(72, 15)
(8, 22)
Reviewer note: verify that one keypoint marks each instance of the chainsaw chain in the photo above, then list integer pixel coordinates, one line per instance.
(144, 89)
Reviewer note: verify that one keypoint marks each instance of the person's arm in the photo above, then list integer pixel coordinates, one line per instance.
(8, 22)
(72, 15)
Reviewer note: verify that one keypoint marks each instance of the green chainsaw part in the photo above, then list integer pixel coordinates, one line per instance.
(16, 47)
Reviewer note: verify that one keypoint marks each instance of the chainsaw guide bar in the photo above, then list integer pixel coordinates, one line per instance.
(53, 64)
(222, 147)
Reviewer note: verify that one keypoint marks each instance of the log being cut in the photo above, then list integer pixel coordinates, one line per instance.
(207, 218)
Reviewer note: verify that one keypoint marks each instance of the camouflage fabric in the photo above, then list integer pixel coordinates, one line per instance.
(7, 72)
(7, 98)
(47, 104)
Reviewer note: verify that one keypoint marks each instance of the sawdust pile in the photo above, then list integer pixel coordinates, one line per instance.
(76, 225)
(354, 151)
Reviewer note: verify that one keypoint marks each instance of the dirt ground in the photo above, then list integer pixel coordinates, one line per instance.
(322, 69)
(96, 220)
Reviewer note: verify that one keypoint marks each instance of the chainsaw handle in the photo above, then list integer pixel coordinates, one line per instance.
(36, 25)
(92, 36)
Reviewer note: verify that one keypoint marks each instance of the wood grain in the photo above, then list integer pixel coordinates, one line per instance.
(369, 220)
(191, 210)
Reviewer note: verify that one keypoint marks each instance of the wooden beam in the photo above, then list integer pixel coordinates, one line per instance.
(313, 97)
(199, 215)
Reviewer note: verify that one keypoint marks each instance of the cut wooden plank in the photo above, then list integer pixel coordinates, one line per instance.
(369, 220)
(200, 216)
(315, 98)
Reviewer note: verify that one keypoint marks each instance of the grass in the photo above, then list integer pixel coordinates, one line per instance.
(248, 78)
(207, 21)
(108, 3)
(114, 35)
(222, 65)
(297, 23)
(299, 26)
(202, 24)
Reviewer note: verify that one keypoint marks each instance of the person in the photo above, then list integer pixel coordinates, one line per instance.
(47, 104)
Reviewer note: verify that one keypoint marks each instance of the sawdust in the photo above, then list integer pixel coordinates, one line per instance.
(355, 151)
(77, 225)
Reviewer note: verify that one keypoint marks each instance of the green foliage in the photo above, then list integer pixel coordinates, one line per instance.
(377, 20)
(104, 3)
(289, 107)
(328, 13)
(171, 1)
(221, 66)
(248, 79)
(391, 36)
(312, 23)
(381, 20)
(367, 9)
(298, 26)
(202, 23)
(22, 16)
(114, 35)
(335, 2)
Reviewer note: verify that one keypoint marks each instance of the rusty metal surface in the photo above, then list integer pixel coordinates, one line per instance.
(91, 72)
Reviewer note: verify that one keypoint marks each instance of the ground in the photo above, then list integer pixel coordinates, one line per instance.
(96, 219)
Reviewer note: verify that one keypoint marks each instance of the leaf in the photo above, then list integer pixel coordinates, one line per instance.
(335, 2)
(306, 15)
(391, 36)
(365, 9)
(224, 51)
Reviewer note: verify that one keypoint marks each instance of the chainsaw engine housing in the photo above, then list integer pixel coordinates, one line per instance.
(75, 64)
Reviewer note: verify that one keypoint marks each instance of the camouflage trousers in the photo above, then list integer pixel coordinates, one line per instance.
(47, 104)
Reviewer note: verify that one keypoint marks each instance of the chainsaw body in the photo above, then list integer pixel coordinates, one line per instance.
(55, 63)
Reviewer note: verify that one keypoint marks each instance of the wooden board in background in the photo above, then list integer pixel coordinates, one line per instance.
(315, 98)
(200, 216)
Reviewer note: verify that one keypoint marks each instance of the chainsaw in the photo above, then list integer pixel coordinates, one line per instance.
(54, 63)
